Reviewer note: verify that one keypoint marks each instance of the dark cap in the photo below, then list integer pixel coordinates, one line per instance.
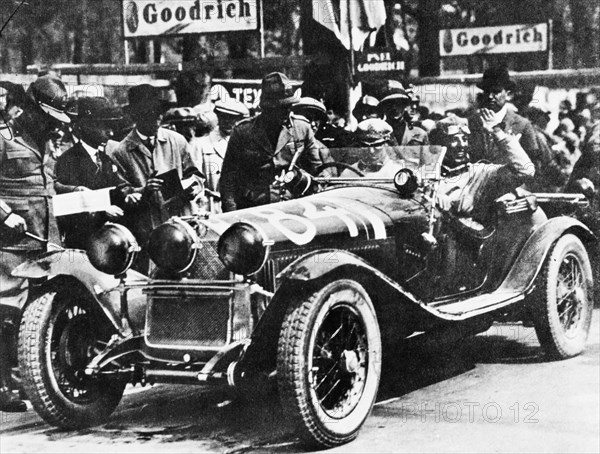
(496, 78)
(231, 107)
(144, 98)
(308, 104)
(50, 95)
(98, 109)
(277, 90)
(373, 131)
(395, 94)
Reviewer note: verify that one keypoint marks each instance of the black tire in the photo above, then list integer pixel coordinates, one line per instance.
(330, 338)
(57, 339)
(563, 305)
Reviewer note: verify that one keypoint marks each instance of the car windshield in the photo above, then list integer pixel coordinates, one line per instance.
(386, 161)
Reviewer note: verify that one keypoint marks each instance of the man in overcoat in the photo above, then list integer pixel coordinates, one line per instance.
(146, 153)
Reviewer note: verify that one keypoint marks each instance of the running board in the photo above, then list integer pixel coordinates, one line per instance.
(479, 304)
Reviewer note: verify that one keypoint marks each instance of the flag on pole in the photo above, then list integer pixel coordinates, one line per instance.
(339, 16)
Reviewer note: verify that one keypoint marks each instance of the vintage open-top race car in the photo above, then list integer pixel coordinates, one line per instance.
(310, 292)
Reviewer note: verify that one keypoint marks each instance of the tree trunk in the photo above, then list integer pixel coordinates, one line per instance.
(585, 33)
(193, 88)
(429, 27)
(27, 52)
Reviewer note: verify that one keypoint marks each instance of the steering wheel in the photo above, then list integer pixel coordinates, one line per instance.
(338, 166)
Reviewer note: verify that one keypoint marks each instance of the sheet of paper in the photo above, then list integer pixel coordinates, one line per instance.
(82, 202)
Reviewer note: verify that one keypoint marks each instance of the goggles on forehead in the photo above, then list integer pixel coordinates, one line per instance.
(452, 130)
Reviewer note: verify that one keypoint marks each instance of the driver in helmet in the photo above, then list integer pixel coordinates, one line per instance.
(467, 189)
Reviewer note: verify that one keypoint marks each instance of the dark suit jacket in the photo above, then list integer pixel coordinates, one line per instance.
(76, 168)
(482, 146)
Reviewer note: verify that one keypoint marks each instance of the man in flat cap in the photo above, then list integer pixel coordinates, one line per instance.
(263, 147)
(85, 166)
(494, 112)
(212, 147)
(145, 154)
(26, 190)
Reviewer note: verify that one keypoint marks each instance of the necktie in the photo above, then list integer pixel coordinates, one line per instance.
(149, 143)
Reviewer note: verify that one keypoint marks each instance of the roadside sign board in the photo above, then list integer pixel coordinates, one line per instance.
(500, 39)
(176, 17)
(379, 62)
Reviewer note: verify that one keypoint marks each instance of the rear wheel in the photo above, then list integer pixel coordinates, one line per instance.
(58, 338)
(328, 363)
(563, 307)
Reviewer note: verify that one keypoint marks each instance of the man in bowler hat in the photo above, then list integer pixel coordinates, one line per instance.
(493, 112)
(85, 166)
(26, 190)
(263, 147)
(146, 153)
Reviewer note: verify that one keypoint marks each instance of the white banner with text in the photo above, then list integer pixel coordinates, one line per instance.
(502, 39)
(176, 17)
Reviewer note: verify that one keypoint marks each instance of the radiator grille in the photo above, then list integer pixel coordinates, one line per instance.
(207, 265)
(196, 320)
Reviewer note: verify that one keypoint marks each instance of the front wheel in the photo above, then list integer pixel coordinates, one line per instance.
(329, 362)
(563, 306)
(58, 337)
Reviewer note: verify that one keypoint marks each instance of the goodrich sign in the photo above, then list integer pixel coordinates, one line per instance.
(175, 17)
(502, 39)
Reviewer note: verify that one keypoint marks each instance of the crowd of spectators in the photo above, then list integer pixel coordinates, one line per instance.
(227, 159)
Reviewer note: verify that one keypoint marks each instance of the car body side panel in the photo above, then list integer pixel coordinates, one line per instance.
(531, 258)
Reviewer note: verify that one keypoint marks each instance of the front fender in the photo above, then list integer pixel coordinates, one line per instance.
(531, 259)
(317, 264)
(103, 288)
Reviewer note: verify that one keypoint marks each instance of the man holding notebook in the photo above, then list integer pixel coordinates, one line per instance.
(147, 159)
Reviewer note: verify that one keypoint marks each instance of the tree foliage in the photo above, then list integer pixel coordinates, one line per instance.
(44, 32)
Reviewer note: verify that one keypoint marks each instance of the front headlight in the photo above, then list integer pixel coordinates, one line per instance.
(173, 245)
(243, 248)
(112, 249)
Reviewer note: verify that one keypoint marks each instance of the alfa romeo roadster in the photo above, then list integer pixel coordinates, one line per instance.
(309, 292)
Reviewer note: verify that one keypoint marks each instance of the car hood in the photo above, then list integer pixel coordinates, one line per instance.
(354, 212)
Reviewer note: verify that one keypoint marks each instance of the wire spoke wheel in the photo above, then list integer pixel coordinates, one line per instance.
(562, 306)
(569, 294)
(328, 363)
(59, 336)
(339, 362)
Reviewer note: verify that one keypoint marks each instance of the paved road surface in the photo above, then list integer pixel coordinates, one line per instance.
(490, 393)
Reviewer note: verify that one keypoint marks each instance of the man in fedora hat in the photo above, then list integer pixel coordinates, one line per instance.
(147, 152)
(263, 147)
(493, 111)
(396, 108)
(85, 166)
(26, 190)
